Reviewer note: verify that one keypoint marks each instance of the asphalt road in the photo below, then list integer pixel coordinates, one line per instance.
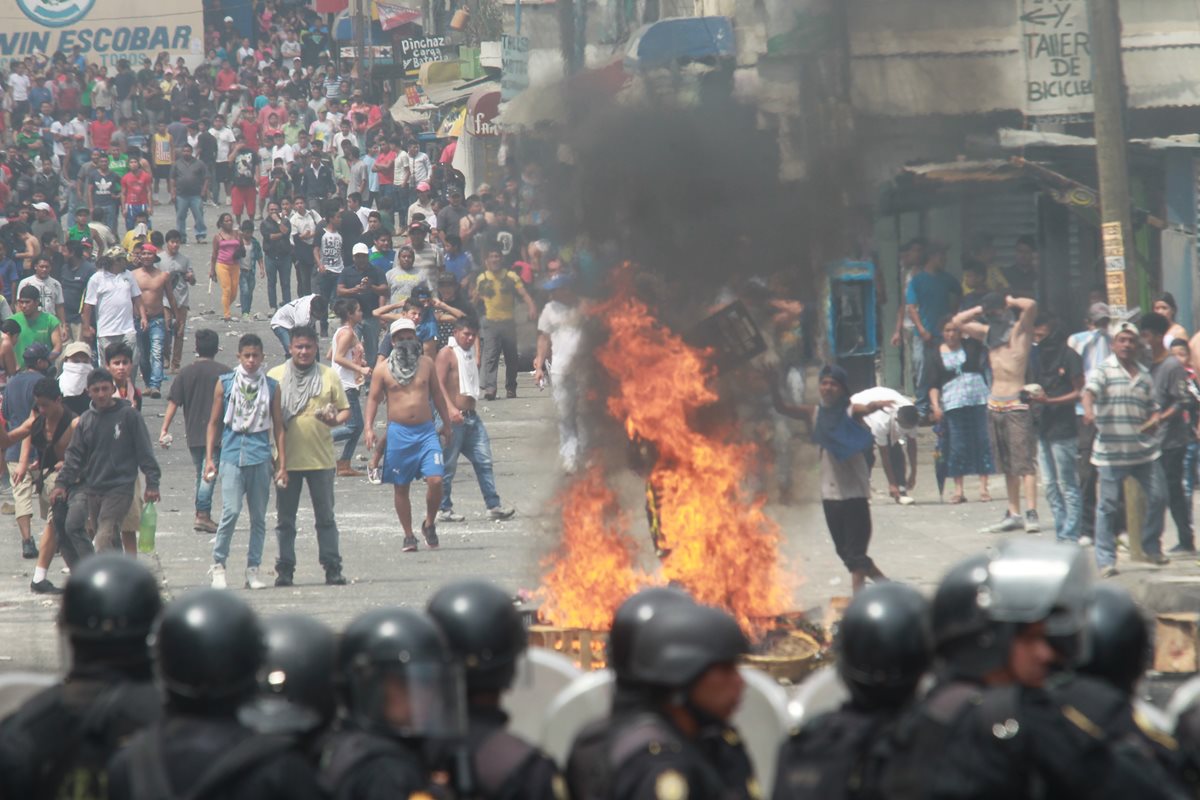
(912, 543)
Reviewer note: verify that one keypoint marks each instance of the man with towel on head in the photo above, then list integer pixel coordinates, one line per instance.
(458, 377)
(412, 449)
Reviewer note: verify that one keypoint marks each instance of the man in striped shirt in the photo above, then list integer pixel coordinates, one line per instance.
(1119, 399)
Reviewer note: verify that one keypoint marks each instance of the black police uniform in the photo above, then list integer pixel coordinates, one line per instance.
(722, 746)
(504, 766)
(356, 765)
(640, 756)
(210, 758)
(833, 757)
(970, 741)
(58, 744)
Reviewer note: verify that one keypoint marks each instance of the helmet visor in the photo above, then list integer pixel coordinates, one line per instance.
(416, 701)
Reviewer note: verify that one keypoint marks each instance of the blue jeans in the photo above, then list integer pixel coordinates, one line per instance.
(246, 281)
(204, 489)
(285, 338)
(252, 484)
(471, 440)
(353, 428)
(1154, 485)
(327, 283)
(1060, 479)
(192, 203)
(131, 212)
(279, 269)
(368, 333)
(151, 348)
(920, 374)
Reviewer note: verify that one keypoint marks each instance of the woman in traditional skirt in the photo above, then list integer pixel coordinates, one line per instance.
(959, 394)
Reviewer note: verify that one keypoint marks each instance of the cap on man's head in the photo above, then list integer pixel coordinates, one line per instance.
(418, 226)
(420, 291)
(1099, 312)
(116, 251)
(559, 281)
(149, 249)
(1125, 326)
(36, 352)
(402, 324)
(42, 206)
(361, 248)
(423, 186)
(229, 19)
(76, 349)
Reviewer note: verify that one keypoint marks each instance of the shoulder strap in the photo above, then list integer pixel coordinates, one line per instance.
(147, 771)
(233, 763)
(639, 735)
(498, 758)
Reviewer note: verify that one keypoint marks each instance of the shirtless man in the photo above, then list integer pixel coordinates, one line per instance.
(152, 335)
(458, 378)
(1008, 335)
(412, 450)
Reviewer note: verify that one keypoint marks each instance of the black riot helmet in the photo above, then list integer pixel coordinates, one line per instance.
(630, 619)
(108, 607)
(884, 645)
(208, 647)
(484, 630)
(296, 689)
(398, 676)
(1120, 638)
(984, 601)
(678, 644)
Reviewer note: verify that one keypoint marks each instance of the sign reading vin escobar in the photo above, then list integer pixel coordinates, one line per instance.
(106, 31)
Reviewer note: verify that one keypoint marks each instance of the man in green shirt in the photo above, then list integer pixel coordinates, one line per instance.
(36, 325)
(80, 230)
(118, 162)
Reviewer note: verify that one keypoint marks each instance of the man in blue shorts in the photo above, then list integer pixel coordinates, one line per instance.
(413, 448)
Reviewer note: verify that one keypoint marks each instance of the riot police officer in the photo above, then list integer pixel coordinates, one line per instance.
(59, 743)
(990, 728)
(487, 636)
(678, 676)
(208, 648)
(884, 645)
(297, 694)
(402, 692)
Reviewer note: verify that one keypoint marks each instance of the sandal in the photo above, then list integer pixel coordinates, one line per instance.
(985, 497)
(957, 499)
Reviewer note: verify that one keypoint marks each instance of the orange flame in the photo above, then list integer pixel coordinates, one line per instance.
(593, 572)
(723, 547)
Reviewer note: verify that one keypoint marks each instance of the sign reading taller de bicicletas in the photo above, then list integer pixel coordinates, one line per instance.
(1056, 49)
(106, 31)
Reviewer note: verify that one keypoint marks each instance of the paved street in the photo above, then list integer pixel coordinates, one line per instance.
(914, 543)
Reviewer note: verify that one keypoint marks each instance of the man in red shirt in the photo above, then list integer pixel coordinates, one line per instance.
(135, 193)
(385, 165)
(225, 83)
(101, 130)
(278, 108)
(249, 127)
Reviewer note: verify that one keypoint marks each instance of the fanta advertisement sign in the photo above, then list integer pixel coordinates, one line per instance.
(105, 31)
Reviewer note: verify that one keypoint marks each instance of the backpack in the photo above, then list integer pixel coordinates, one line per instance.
(148, 770)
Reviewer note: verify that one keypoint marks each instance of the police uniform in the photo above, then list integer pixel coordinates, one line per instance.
(969, 741)
(832, 757)
(59, 743)
(213, 758)
(506, 767)
(722, 746)
(640, 756)
(356, 765)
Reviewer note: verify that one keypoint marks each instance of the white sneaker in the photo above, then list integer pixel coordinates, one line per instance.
(1085, 541)
(450, 515)
(216, 574)
(501, 512)
(252, 579)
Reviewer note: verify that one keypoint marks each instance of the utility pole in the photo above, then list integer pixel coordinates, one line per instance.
(1116, 217)
(1112, 162)
(361, 21)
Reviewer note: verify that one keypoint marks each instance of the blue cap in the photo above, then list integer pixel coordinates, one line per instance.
(36, 352)
(559, 281)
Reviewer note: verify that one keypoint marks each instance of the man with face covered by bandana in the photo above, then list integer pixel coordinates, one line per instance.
(413, 449)
(1007, 330)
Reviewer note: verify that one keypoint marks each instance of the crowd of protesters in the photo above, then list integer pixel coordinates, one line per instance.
(344, 215)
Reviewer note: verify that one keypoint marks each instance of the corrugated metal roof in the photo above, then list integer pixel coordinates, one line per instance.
(1015, 139)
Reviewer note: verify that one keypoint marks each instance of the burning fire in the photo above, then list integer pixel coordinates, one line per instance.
(722, 546)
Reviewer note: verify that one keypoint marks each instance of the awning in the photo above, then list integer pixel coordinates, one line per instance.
(670, 42)
(1012, 139)
(444, 94)
(482, 109)
(402, 113)
(343, 30)
(393, 15)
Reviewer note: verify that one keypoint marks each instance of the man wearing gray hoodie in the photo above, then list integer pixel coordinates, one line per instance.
(101, 464)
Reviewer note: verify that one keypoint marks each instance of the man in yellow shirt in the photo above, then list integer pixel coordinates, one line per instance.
(313, 403)
(498, 288)
(161, 154)
(983, 251)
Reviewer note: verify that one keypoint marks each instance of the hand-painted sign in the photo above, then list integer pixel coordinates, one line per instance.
(1056, 48)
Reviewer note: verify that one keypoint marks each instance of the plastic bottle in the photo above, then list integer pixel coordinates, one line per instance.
(148, 528)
